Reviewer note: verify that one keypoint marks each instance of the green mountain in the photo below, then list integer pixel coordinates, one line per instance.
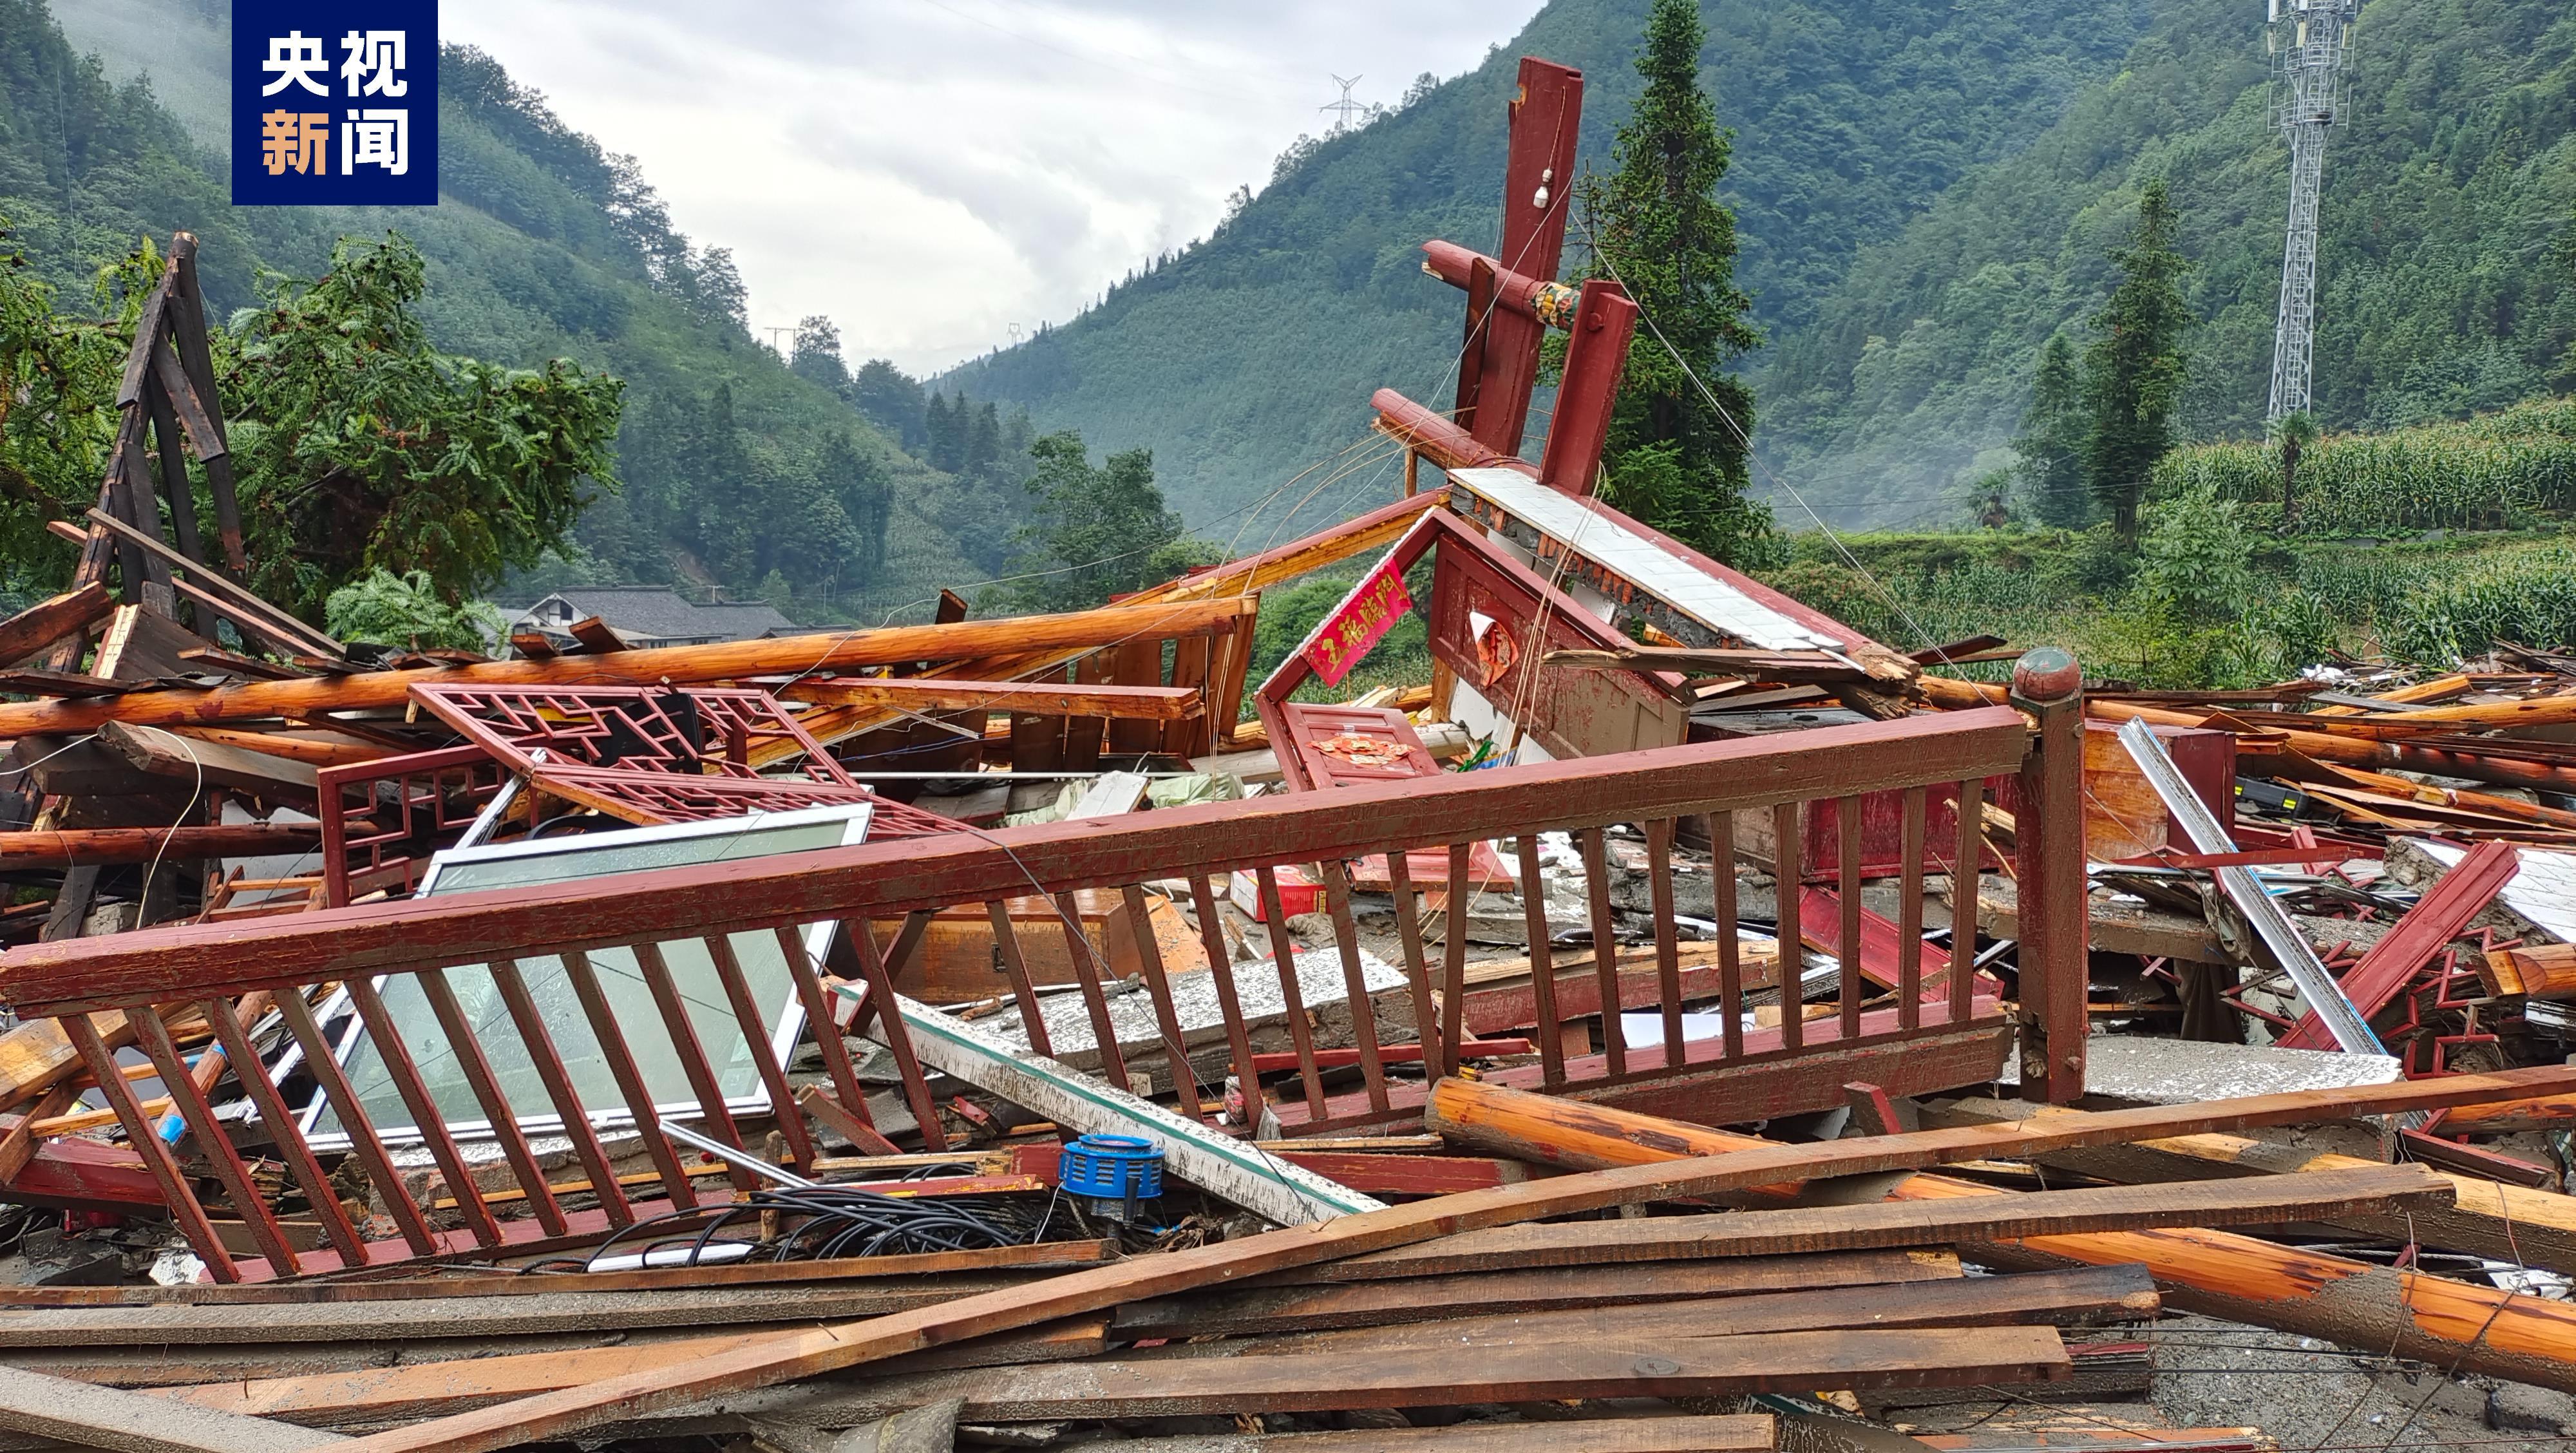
(738, 473)
(1924, 192)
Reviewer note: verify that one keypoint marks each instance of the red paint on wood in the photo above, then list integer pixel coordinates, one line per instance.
(2436, 919)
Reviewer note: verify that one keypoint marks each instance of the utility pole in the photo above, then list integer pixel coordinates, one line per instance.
(2311, 100)
(773, 339)
(1345, 108)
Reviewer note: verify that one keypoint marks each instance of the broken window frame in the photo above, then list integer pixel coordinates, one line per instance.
(341, 1022)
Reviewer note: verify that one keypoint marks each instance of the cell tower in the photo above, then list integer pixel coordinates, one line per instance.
(2307, 38)
(1345, 108)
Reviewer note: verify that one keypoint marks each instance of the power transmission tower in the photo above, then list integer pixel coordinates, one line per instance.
(2311, 102)
(1345, 108)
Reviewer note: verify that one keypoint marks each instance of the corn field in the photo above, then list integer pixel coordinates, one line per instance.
(2497, 471)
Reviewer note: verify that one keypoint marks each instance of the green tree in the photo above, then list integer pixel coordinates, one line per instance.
(2051, 442)
(891, 399)
(407, 612)
(817, 356)
(1680, 440)
(58, 378)
(360, 447)
(1097, 530)
(2133, 373)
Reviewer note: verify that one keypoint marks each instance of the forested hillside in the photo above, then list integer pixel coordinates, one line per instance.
(1925, 193)
(2446, 196)
(1250, 356)
(737, 472)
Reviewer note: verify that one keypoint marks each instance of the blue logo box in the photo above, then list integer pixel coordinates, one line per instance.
(335, 103)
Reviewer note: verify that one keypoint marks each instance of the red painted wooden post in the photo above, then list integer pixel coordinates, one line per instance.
(549, 1065)
(291, 1146)
(826, 1029)
(2049, 866)
(1909, 914)
(1847, 887)
(175, 1190)
(753, 1016)
(465, 1047)
(692, 1054)
(1789, 840)
(1346, 942)
(1967, 874)
(1595, 357)
(395, 1055)
(1538, 178)
(153, 1036)
(1086, 973)
(1453, 949)
(1605, 948)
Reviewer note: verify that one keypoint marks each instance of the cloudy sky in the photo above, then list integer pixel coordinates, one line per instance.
(931, 173)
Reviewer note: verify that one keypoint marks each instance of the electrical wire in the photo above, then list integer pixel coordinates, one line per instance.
(830, 1222)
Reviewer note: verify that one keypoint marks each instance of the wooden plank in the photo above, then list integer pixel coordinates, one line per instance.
(142, 645)
(31, 630)
(474, 1316)
(2090, 1296)
(1722, 1433)
(210, 587)
(147, 844)
(763, 1360)
(1317, 1382)
(374, 1394)
(597, 636)
(1043, 698)
(163, 753)
(680, 664)
(1307, 1307)
(2368, 1307)
(101, 1417)
(2267, 1201)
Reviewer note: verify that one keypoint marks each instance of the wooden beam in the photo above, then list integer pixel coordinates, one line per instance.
(31, 630)
(213, 589)
(1722, 1433)
(679, 664)
(164, 753)
(1307, 1306)
(2369, 1307)
(924, 693)
(319, 749)
(1679, 1366)
(758, 1361)
(2261, 1201)
(147, 844)
(125, 1422)
(597, 636)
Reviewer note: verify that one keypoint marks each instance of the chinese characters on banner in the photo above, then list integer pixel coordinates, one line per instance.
(1366, 614)
(335, 103)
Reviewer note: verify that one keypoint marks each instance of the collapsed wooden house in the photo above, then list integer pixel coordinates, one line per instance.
(678, 1044)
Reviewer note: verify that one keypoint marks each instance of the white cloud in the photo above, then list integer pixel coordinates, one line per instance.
(931, 172)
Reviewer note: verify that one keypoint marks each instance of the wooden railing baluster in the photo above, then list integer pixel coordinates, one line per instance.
(176, 1193)
(1965, 871)
(1238, 1034)
(291, 1146)
(1453, 952)
(1551, 1032)
(1605, 948)
(1730, 949)
(425, 1114)
(1417, 968)
(898, 1039)
(465, 1043)
(1024, 991)
(1346, 941)
(611, 1038)
(692, 1054)
(1847, 882)
(1292, 995)
(1167, 1015)
(548, 1062)
(1668, 950)
(1086, 972)
(756, 1031)
(1788, 830)
(826, 1029)
(363, 1140)
(152, 1035)
(1909, 913)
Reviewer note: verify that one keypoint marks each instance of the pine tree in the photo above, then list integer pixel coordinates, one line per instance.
(2133, 373)
(2051, 443)
(940, 433)
(1679, 453)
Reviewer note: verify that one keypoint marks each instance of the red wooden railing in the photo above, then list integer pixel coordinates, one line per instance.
(1930, 1016)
